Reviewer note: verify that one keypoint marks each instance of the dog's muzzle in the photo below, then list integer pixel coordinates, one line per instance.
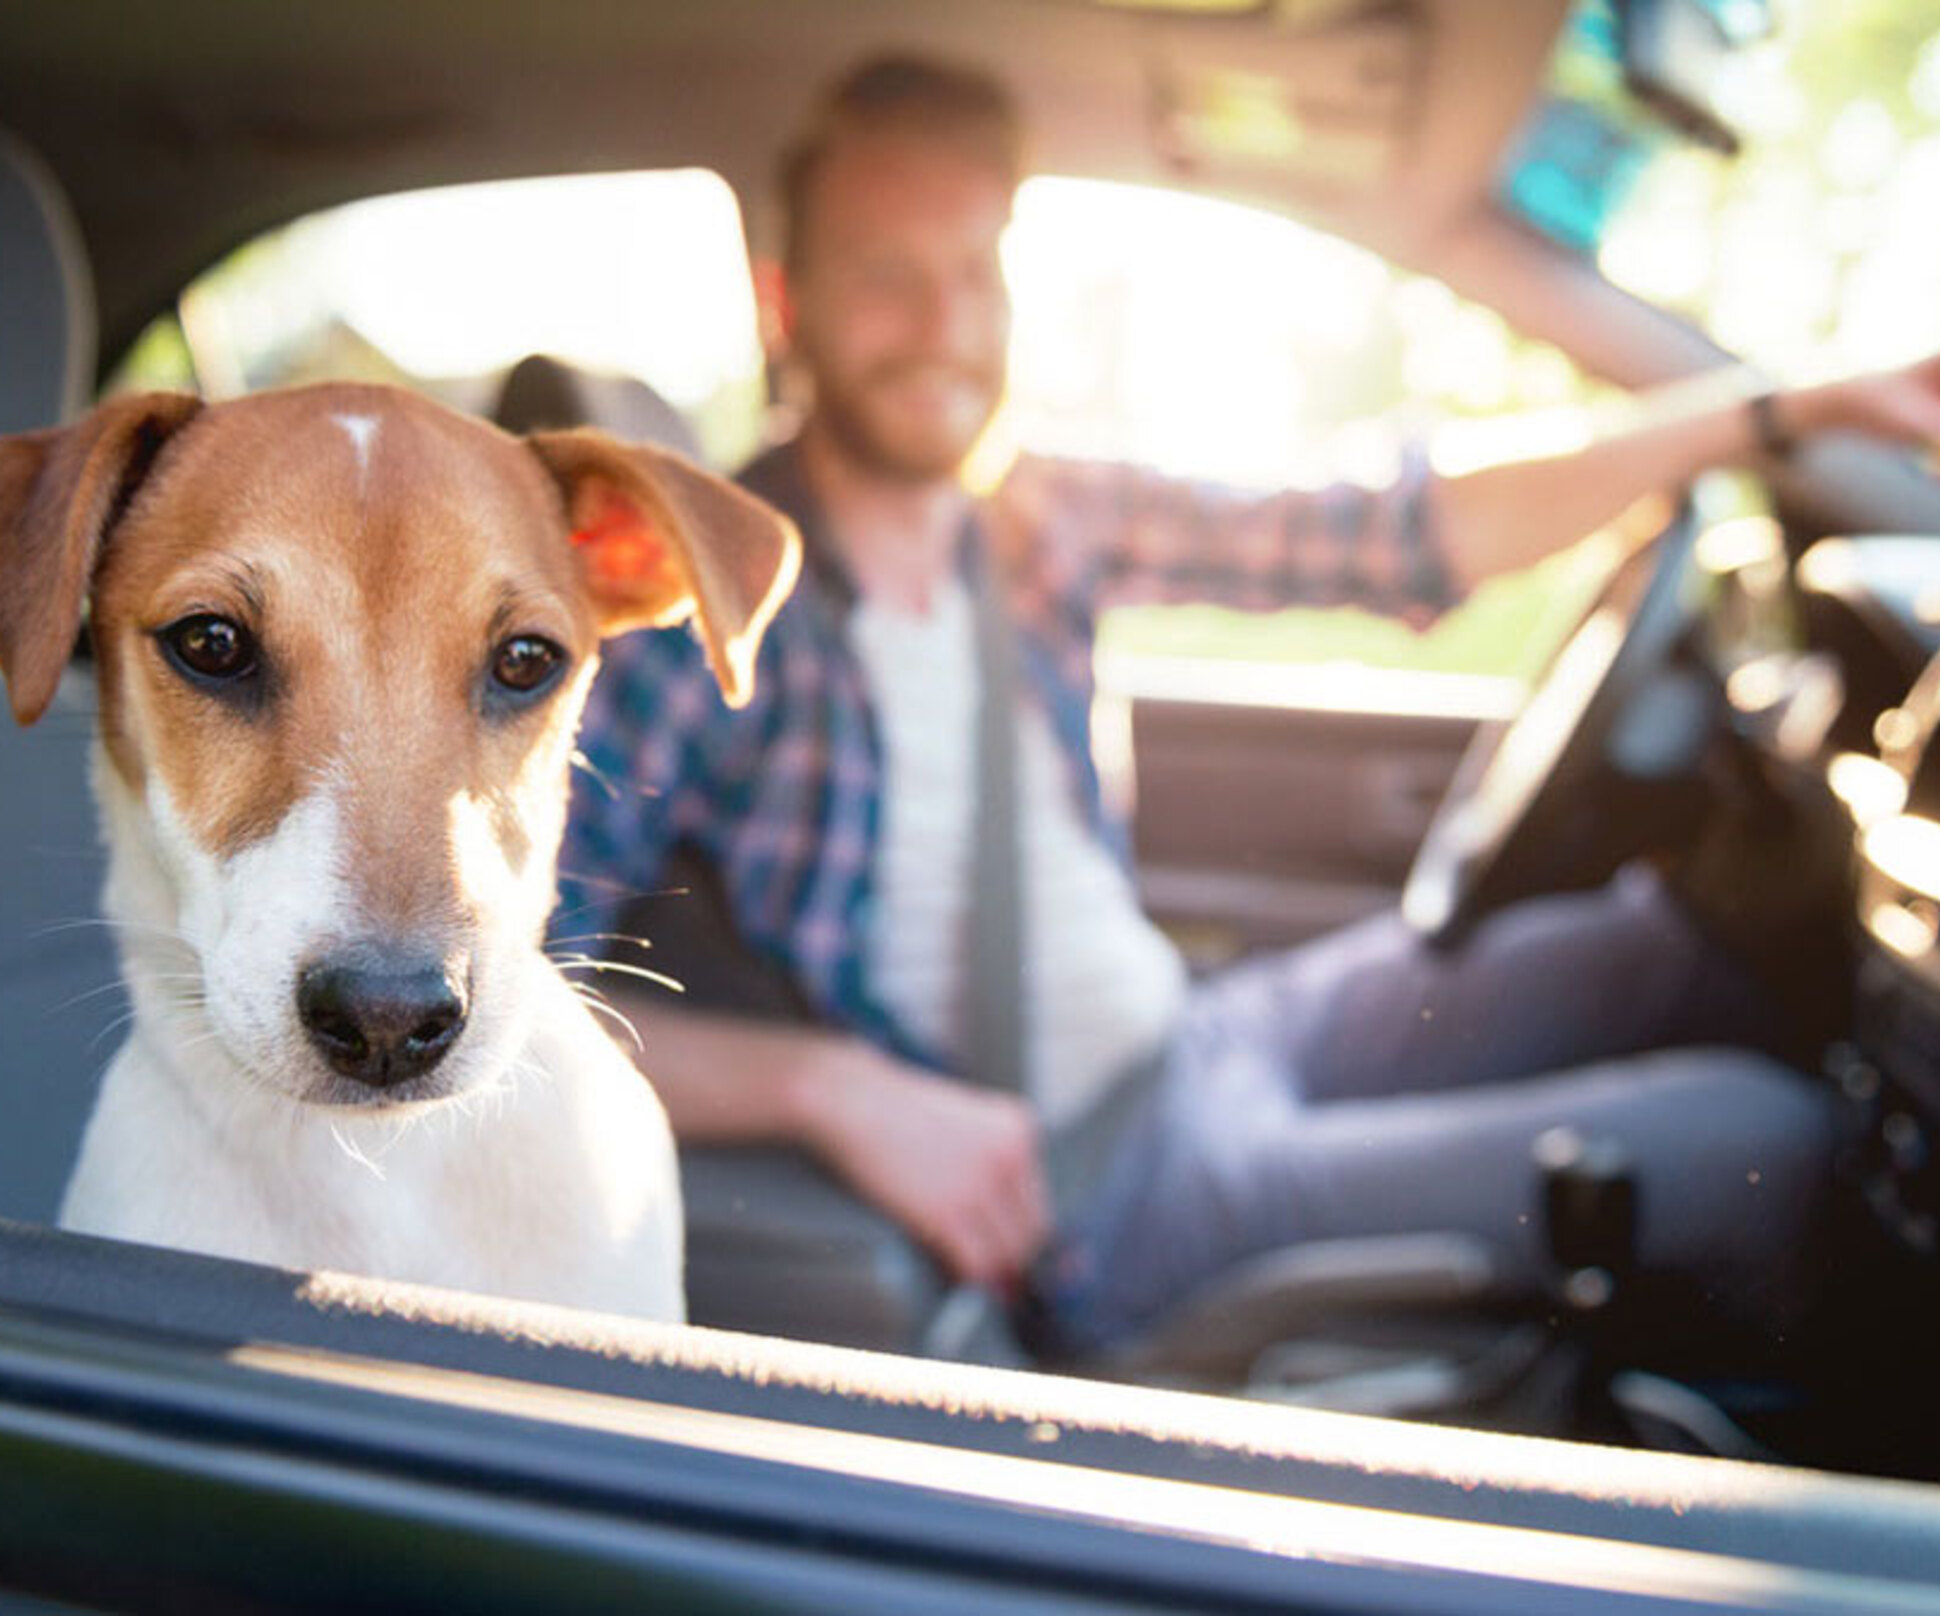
(382, 1021)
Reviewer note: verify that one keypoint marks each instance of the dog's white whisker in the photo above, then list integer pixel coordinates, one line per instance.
(605, 883)
(203, 1040)
(351, 1149)
(627, 1027)
(605, 782)
(470, 1105)
(602, 937)
(117, 985)
(396, 1126)
(526, 1071)
(125, 1019)
(111, 922)
(645, 975)
(590, 997)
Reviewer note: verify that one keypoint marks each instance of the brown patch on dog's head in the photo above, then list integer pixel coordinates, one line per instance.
(373, 551)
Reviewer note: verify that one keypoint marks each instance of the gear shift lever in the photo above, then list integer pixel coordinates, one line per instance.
(1589, 1196)
(1590, 1215)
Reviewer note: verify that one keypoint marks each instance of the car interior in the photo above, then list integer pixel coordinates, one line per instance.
(1764, 729)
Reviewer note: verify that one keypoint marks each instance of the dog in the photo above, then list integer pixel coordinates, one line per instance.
(343, 636)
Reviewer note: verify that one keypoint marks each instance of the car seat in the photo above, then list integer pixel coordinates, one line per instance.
(541, 393)
(59, 983)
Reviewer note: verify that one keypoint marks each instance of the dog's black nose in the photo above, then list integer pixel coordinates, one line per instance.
(380, 1023)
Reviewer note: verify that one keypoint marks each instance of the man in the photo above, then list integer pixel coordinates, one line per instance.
(1299, 1097)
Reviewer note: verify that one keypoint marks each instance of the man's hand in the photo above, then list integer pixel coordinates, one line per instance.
(1501, 517)
(957, 1166)
(1901, 406)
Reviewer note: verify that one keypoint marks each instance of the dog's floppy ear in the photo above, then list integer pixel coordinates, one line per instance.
(660, 540)
(61, 490)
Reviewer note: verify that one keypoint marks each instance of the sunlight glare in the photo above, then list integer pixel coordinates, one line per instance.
(1872, 791)
(1859, 148)
(644, 273)
(1906, 849)
(1174, 329)
(1923, 84)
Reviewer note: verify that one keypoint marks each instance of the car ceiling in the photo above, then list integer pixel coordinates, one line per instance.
(181, 130)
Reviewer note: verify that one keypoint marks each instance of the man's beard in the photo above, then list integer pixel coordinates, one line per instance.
(855, 422)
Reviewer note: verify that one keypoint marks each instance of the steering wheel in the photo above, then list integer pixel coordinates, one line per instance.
(1560, 795)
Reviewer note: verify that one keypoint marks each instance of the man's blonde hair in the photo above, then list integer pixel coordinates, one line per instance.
(901, 98)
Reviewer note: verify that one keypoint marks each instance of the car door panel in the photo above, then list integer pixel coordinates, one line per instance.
(1261, 823)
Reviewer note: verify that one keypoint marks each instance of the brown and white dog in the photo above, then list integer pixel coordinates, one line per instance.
(343, 638)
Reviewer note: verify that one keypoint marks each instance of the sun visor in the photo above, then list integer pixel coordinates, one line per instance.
(1280, 99)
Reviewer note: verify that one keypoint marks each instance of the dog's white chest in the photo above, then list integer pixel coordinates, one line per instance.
(560, 1186)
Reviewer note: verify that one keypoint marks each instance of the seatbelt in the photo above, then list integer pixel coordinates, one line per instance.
(994, 996)
(1078, 1154)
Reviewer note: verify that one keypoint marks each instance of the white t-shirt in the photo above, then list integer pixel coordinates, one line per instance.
(1104, 984)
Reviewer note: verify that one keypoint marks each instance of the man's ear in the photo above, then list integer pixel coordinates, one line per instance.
(774, 303)
(660, 540)
(61, 491)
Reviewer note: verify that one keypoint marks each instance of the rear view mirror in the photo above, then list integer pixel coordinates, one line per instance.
(1672, 51)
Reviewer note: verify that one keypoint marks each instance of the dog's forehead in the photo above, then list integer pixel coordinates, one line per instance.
(356, 474)
(350, 531)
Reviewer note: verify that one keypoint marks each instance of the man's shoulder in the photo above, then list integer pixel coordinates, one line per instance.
(775, 474)
(1052, 496)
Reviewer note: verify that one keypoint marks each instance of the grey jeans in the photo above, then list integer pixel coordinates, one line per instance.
(1364, 1085)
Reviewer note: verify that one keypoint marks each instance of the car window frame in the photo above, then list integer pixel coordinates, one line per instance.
(521, 1442)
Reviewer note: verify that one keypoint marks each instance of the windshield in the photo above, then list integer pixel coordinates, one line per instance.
(1816, 245)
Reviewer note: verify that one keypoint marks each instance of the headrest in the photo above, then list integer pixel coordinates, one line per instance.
(543, 394)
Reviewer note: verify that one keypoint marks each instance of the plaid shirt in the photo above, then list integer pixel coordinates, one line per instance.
(784, 797)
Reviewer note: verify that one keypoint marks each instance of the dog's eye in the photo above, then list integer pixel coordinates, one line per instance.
(210, 647)
(526, 663)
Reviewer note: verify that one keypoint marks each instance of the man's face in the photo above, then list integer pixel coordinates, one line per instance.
(900, 311)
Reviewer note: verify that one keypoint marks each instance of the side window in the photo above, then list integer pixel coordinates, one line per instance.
(444, 290)
(1217, 341)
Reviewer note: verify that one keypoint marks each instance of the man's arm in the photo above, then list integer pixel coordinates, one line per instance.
(1118, 534)
(958, 1167)
(1507, 516)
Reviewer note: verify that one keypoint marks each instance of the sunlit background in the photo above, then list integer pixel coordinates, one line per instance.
(1819, 247)
(1196, 336)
